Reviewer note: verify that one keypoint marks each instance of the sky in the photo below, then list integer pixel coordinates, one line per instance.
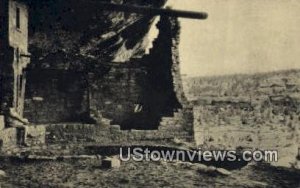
(239, 36)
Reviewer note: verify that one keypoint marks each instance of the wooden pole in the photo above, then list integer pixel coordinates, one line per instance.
(151, 11)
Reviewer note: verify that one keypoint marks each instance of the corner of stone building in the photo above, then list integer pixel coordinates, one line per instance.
(170, 27)
(187, 108)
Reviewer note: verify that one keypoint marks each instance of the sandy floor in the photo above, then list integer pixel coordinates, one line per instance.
(140, 174)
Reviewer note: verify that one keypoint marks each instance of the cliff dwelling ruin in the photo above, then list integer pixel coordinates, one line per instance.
(100, 74)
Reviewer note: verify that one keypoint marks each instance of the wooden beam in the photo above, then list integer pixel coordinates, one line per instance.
(151, 11)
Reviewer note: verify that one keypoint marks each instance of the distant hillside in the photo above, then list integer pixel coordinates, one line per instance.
(244, 85)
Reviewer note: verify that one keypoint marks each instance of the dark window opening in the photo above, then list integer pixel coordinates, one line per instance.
(17, 55)
(18, 21)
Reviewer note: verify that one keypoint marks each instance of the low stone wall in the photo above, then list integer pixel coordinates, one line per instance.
(8, 138)
(85, 133)
(11, 138)
(35, 135)
(116, 94)
(182, 120)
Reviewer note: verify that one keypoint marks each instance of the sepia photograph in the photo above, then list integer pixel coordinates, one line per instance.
(149, 93)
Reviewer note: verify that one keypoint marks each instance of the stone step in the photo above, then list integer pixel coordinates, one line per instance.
(168, 119)
(173, 121)
(167, 125)
(170, 127)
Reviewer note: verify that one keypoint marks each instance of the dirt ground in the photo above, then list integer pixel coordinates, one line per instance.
(88, 173)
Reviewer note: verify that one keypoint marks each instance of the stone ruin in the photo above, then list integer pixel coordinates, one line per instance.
(133, 101)
(138, 100)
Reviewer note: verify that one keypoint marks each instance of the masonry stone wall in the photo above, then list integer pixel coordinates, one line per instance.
(8, 138)
(18, 37)
(117, 93)
(144, 95)
(13, 62)
(18, 40)
(35, 135)
(135, 95)
(90, 133)
(55, 96)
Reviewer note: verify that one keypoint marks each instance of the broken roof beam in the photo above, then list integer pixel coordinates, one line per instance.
(151, 11)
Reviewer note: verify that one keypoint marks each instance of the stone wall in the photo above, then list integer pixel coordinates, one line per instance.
(177, 79)
(8, 138)
(117, 93)
(90, 133)
(54, 96)
(11, 138)
(18, 37)
(35, 135)
(13, 62)
(169, 65)
(135, 95)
